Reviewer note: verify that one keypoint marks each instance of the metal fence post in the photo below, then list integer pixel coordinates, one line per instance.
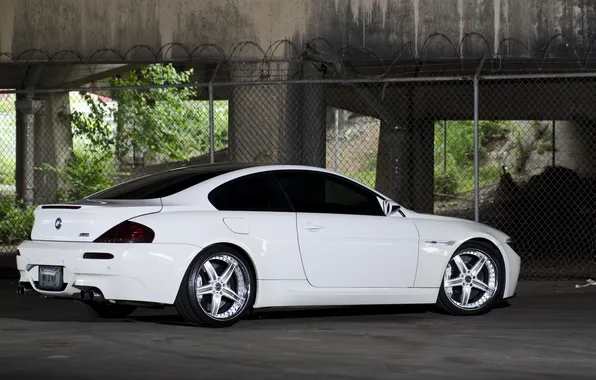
(554, 142)
(212, 117)
(477, 143)
(336, 150)
(444, 146)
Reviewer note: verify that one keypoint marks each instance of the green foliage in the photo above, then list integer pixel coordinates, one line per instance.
(7, 170)
(446, 182)
(85, 173)
(16, 221)
(158, 123)
(366, 177)
(522, 152)
(454, 171)
(161, 122)
(536, 128)
(155, 124)
(489, 174)
(368, 172)
(492, 130)
(544, 141)
(544, 146)
(93, 128)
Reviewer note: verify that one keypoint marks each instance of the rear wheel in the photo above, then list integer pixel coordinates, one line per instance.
(473, 281)
(218, 288)
(106, 310)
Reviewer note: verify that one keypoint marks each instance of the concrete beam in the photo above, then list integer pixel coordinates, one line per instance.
(93, 75)
(432, 28)
(62, 76)
(499, 100)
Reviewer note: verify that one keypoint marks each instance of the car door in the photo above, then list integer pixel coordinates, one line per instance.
(256, 210)
(345, 238)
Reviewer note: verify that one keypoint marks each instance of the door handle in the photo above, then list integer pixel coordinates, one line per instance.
(313, 226)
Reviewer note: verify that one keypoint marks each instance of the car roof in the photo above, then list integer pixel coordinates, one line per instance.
(225, 166)
(208, 176)
(229, 169)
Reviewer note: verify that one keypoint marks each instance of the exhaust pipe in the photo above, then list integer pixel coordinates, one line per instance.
(23, 291)
(96, 295)
(91, 295)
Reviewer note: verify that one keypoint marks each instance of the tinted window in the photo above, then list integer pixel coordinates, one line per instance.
(163, 184)
(258, 192)
(324, 193)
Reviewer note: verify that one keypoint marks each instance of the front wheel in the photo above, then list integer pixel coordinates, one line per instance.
(473, 281)
(218, 289)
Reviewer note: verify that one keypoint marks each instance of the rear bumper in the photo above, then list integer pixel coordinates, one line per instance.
(137, 272)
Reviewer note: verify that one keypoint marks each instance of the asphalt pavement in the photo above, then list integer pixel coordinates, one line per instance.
(548, 331)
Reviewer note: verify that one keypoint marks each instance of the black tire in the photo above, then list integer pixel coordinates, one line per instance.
(106, 310)
(188, 304)
(444, 301)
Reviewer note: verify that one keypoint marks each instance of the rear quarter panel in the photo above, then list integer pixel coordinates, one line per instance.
(269, 239)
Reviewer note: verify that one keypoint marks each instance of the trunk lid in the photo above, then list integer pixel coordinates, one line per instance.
(86, 220)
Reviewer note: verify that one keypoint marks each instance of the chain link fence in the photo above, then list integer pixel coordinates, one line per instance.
(411, 138)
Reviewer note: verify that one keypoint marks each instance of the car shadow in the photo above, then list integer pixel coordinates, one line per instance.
(343, 313)
(34, 308)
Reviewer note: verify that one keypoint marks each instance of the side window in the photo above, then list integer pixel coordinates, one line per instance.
(257, 192)
(316, 192)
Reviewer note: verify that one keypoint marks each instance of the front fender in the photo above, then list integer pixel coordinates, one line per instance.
(439, 239)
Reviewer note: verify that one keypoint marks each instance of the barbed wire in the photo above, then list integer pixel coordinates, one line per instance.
(321, 50)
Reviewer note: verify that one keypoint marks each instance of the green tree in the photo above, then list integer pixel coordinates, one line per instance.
(157, 124)
(458, 176)
(160, 122)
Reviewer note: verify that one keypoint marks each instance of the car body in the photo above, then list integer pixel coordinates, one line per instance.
(303, 236)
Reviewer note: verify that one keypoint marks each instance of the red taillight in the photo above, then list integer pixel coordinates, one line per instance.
(127, 232)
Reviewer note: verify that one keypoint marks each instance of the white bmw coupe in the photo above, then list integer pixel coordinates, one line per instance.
(217, 241)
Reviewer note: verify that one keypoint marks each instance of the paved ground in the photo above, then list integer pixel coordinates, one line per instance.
(544, 333)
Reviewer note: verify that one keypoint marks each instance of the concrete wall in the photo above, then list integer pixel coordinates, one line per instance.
(381, 25)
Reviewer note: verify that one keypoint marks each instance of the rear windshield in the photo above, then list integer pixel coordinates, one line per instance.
(162, 184)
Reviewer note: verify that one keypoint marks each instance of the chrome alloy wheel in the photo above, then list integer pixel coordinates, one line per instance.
(471, 279)
(222, 287)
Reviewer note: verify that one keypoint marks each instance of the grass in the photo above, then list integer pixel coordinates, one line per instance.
(489, 175)
(366, 177)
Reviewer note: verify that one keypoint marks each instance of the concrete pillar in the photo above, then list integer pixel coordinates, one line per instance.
(575, 143)
(53, 143)
(391, 161)
(264, 120)
(277, 123)
(26, 108)
(314, 126)
(405, 162)
(423, 166)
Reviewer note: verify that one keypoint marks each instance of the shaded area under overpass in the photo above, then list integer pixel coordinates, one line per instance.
(287, 122)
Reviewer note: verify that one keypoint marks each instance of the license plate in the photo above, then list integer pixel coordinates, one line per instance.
(50, 278)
